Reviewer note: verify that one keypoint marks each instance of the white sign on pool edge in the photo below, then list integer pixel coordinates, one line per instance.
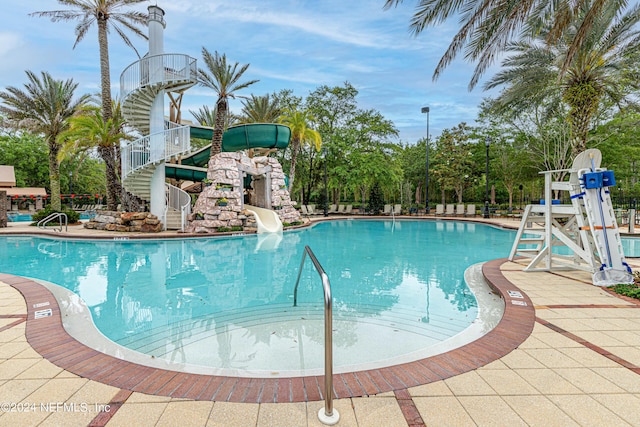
(43, 313)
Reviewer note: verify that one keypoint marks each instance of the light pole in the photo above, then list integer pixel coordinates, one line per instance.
(326, 192)
(426, 180)
(487, 142)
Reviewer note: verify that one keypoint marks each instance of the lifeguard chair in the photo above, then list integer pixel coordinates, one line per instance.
(586, 228)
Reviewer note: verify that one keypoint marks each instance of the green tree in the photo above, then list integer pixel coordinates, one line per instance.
(360, 150)
(44, 106)
(224, 79)
(204, 116)
(512, 166)
(453, 161)
(414, 167)
(376, 200)
(619, 141)
(107, 14)
(89, 130)
(260, 109)
(602, 68)
(299, 121)
(28, 154)
(489, 26)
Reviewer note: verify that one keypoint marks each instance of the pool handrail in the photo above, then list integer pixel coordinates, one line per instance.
(55, 215)
(327, 415)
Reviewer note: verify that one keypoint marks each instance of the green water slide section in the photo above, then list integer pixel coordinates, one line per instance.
(236, 138)
(189, 173)
(256, 135)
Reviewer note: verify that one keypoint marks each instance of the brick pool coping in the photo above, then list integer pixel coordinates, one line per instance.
(47, 336)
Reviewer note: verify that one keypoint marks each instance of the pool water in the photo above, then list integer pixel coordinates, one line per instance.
(226, 303)
(14, 217)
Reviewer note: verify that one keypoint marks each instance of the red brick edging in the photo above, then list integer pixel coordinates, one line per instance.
(48, 337)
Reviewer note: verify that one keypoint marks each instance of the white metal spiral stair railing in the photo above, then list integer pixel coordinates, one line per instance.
(140, 83)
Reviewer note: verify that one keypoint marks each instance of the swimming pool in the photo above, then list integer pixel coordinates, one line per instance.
(18, 217)
(398, 289)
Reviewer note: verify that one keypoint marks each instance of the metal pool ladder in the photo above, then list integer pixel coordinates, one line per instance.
(56, 215)
(327, 415)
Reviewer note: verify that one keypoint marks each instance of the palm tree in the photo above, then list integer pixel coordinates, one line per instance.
(301, 132)
(224, 79)
(43, 106)
(89, 130)
(601, 70)
(103, 12)
(488, 26)
(260, 109)
(205, 116)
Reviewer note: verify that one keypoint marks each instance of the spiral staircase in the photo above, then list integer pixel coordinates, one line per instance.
(140, 84)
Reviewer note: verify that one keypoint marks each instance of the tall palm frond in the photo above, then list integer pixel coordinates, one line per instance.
(204, 116)
(602, 69)
(44, 106)
(107, 15)
(260, 109)
(299, 121)
(489, 26)
(224, 79)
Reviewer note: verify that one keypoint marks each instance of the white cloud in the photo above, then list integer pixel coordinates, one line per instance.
(290, 44)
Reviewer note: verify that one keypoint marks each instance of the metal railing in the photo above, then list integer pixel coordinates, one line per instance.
(165, 68)
(159, 146)
(179, 200)
(329, 415)
(56, 215)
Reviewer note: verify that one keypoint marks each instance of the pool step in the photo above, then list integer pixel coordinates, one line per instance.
(411, 322)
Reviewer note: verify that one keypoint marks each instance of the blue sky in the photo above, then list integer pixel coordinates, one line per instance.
(290, 44)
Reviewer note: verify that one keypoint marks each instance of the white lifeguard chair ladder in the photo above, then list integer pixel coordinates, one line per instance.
(587, 226)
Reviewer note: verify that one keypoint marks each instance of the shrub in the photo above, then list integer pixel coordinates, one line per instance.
(72, 215)
(376, 202)
(227, 229)
(629, 290)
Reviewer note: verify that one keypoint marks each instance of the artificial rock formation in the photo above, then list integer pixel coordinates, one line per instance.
(227, 171)
(143, 222)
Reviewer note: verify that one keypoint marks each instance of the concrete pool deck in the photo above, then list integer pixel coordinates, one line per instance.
(579, 366)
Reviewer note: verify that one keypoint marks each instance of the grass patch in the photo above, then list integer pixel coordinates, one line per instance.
(629, 290)
(291, 224)
(227, 229)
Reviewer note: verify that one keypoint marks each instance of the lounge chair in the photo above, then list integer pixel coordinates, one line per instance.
(387, 210)
(439, 210)
(311, 209)
(341, 209)
(397, 209)
(349, 209)
(303, 210)
(450, 210)
(333, 209)
(460, 210)
(471, 210)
